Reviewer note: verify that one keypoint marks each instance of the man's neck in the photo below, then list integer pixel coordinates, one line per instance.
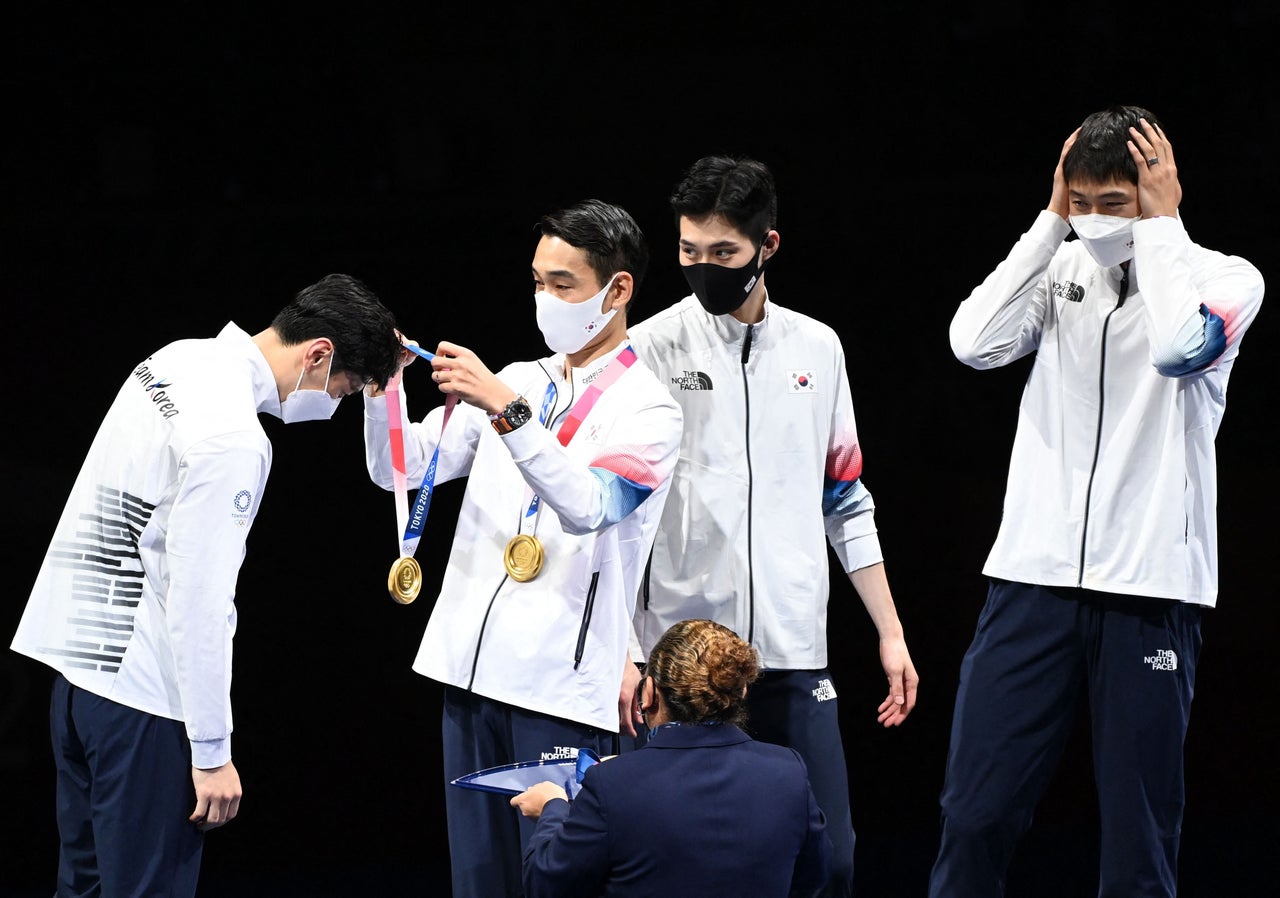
(752, 311)
(276, 354)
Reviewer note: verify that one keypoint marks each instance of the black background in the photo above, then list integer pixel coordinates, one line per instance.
(169, 171)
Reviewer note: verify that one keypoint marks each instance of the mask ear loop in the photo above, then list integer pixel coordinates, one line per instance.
(303, 373)
(328, 375)
(764, 260)
(604, 294)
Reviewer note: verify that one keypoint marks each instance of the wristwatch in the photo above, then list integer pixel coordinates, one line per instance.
(516, 414)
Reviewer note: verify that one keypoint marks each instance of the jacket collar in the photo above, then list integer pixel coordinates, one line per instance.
(582, 377)
(692, 735)
(730, 329)
(266, 396)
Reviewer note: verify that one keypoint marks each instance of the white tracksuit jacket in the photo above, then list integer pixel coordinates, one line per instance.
(769, 473)
(135, 600)
(1112, 481)
(555, 644)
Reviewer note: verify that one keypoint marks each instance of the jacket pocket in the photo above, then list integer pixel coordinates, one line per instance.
(586, 620)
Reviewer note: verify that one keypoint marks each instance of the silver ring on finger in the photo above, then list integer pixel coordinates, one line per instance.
(1154, 160)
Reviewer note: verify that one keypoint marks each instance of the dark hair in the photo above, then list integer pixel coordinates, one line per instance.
(703, 669)
(347, 312)
(1101, 153)
(608, 235)
(738, 188)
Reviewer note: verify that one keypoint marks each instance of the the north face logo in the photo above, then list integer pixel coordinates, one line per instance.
(1068, 291)
(692, 380)
(1163, 659)
(825, 691)
(560, 753)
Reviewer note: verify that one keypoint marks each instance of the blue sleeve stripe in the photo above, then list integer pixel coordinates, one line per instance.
(839, 496)
(1212, 344)
(621, 496)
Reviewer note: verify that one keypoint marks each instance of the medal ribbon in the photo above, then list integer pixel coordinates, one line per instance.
(621, 363)
(409, 529)
(547, 398)
(516, 558)
(579, 412)
(398, 477)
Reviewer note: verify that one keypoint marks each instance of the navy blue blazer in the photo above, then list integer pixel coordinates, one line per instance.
(699, 810)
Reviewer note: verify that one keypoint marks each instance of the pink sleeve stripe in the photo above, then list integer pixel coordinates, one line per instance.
(629, 464)
(844, 462)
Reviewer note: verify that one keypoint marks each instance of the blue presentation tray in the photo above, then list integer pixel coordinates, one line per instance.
(512, 779)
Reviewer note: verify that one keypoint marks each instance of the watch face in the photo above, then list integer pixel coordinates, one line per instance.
(518, 413)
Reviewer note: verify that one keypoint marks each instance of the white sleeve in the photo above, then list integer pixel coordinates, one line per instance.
(639, 455)
(1197, 306)
(204, 548)
(1002, 319)
(457, 450)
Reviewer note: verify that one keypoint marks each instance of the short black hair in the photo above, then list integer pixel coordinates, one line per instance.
(343, 309)
(1100, 153)
(608, 235)
(738, 188)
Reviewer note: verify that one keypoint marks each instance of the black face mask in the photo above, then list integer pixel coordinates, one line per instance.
(722, 290)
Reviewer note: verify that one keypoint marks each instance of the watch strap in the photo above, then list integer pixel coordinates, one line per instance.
(516, 414)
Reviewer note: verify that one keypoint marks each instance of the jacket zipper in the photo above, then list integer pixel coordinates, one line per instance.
(475, 659)
(1097, 440)
(746, 402)
(484, 623)
(644, 584)
(595, 575)
(586, 620)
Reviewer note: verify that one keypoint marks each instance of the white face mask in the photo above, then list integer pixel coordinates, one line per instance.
(309, 405)
(1108, 238)
(568, 326)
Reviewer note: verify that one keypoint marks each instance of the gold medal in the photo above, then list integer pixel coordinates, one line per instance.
(523, 557)
(405, 580)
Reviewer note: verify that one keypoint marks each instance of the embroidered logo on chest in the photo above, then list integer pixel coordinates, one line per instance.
(691, 380)
(1068, 291)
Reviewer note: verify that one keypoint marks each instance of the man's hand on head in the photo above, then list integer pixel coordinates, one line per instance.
(1059, 199)
(1159, 191)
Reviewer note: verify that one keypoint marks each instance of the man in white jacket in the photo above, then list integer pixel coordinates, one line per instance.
(1106, 555)
(568, 460)
(770, 474)
(134, 605)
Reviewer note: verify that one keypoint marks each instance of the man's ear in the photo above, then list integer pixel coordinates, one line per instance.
(771, 241)
(620, 293)
(317, 352)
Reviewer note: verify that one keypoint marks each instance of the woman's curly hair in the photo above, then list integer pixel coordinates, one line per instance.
(703, 670)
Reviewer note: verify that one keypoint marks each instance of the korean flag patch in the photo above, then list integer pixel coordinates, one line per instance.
(801, 381)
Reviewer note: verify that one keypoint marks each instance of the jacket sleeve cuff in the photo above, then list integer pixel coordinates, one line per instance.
(1163, 229)
(210, 754)
(375, 408)
(861, 552)
(1049, 229)
(525, 441)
